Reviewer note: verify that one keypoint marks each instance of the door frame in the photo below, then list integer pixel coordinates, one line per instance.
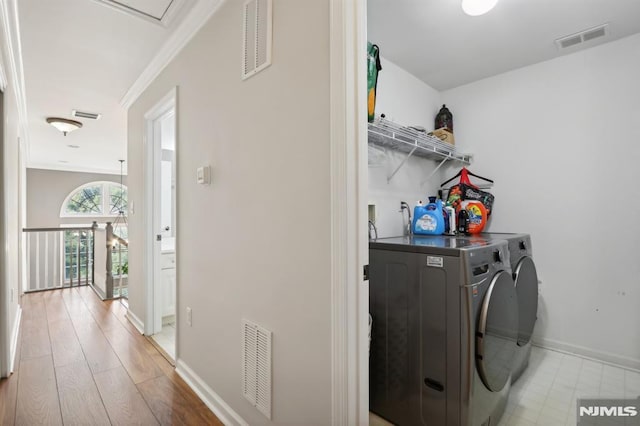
(152, 155)
(11, 78)
(5, 320)
(349, 195)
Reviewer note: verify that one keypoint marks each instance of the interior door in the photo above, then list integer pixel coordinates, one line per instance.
(164, 218)
(497, 332)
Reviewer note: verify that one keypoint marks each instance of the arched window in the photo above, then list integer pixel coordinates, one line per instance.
(95, 199)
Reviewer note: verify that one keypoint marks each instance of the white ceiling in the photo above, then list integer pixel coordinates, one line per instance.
(81, 54)
(435, 41)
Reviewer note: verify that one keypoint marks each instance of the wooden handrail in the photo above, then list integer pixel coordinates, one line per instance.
(121, 240)
(84, 228)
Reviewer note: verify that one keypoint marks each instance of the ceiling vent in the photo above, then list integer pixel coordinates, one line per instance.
(583, 36)
(257, 36)
(87, 115)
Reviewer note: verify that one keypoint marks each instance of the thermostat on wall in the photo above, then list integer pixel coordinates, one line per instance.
(204, 175)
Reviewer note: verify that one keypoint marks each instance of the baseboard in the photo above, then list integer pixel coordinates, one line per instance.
(133, 319)
(211, 399)
(14, 339)
(168, 319)
(98, 291)
(606, 357)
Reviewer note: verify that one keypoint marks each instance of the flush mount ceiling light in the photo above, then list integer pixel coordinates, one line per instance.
(64, 125)
(478, 7)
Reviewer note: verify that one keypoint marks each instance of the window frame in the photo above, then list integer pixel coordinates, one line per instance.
(105, 200)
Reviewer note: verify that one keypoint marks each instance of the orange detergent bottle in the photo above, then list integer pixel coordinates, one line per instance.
(477, 215)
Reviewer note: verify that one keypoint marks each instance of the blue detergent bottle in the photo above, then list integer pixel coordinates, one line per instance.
(428, 220)
(418, 211)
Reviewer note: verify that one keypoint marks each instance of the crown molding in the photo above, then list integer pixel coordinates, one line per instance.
(73, 168)
(11, 25)
(193, 22)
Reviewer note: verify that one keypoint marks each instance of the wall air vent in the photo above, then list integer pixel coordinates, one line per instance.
(257, 36)
(87, 115)
(583, 36)
(256, 366)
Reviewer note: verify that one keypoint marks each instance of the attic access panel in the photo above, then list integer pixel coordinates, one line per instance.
(157, 11)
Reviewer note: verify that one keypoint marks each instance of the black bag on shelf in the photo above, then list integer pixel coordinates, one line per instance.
(471, 193)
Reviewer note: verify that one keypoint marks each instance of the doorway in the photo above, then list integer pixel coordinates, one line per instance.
(160, 187)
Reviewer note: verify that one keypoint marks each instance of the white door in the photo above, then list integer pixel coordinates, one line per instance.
(164, 220)
(161, 259)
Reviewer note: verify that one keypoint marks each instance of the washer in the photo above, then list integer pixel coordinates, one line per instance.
(444, 332)
(526, 281)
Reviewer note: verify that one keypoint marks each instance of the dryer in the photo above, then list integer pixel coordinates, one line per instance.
(444, 330)
(525, 278)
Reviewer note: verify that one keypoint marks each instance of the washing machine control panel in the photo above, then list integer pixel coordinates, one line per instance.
(521, 247)
(486, 259)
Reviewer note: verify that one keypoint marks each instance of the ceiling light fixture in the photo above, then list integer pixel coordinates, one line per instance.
(64, 125)
(478, 7)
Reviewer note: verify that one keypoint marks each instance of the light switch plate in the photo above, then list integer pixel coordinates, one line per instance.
(203, 175)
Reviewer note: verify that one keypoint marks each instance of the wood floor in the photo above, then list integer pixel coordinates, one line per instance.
(80, 362)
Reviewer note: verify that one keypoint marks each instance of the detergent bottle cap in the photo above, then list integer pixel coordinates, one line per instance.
(432, 199)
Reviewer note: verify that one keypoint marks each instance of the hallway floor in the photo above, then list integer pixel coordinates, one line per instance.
(81, 362)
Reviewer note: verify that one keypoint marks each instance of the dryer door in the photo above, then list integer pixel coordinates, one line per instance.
(497, 332)
(526, 280)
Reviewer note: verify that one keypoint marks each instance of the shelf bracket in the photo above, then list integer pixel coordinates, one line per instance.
(444, 160)
(401, 164)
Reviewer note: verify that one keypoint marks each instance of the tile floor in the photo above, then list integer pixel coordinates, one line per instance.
(546, 394)
(167, 339)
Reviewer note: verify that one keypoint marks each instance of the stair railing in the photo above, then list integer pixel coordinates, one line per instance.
(60, 257)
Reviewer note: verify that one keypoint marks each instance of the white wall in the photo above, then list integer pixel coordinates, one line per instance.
(562, 141)
(47, 190)
(408, 101)
(255, 243)
(404, 98)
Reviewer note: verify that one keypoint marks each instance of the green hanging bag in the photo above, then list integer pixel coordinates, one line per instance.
(373, 68)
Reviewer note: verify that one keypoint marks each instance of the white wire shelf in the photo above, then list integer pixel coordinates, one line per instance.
(387, 134)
